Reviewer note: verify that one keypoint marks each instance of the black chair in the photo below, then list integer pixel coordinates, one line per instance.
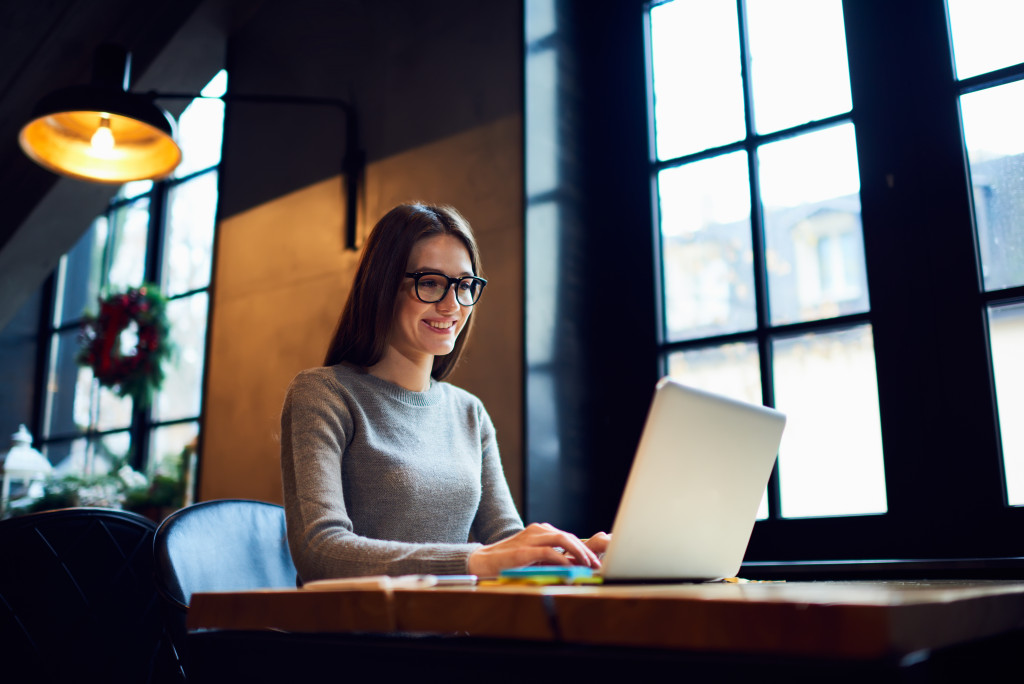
(221, 545)
(77, 599)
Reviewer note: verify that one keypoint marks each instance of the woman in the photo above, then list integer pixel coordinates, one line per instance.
(386, 468)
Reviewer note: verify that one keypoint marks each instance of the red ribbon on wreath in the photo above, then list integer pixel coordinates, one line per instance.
(137, 374)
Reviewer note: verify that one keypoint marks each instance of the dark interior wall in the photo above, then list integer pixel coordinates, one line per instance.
(437, 87)
(590, 353)
(18, 350)
(417, 72)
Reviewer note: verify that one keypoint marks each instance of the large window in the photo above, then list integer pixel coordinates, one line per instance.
(815, 205)
(160, 233)
(763, 278)
(839, 235)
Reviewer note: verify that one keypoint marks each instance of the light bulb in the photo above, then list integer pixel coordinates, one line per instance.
(103, 139)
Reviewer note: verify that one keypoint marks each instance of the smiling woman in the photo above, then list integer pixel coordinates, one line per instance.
(387, 469)
(429, 315)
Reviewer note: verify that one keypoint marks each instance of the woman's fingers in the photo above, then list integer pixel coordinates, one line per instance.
(548, 535)
(538, 544)
(599, 542)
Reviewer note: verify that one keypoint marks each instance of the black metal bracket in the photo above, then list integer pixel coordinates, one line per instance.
(352, 163)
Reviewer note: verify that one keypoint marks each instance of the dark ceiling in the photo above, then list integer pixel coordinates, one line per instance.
(48, 44)
(45, 45)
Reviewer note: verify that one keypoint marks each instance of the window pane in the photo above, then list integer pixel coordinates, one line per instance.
(114, 411)
(66, 383)
(89, 456)
(698, 90)
(134, 189)
(110, 452)
(995, 151)
(540, 19)
(130, 228)
(180, 395)
(188, 250)
(92, 458)
(810, 194)
(544, 250)
(79, 277)
(986, 35)
(1006, 326)
(729, 369)
(542, 165)
(790, 87)
(706, 247)
(66, 457)
(830, 460)
(200, 130)
(74, 402)
(168, 449)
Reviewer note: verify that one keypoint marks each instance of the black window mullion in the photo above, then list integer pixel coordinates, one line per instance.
(172, 183)
(157, 228)
(657, 261)
(994, 78)
(1008, 295)
(758, 139)
(142, 417)
(929, 344)
(44, 348)
(764, 351)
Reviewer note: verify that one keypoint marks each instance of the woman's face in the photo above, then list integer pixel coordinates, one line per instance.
(421, 331)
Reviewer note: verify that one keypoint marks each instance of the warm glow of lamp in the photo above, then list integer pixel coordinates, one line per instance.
(103, 138)
(102, 133)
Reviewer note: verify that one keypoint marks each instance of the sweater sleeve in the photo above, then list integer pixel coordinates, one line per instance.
(497, 517)
(315, 429)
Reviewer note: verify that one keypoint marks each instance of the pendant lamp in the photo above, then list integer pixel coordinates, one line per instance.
(101, 132)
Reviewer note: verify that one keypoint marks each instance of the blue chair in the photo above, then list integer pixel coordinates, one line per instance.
(220, 545)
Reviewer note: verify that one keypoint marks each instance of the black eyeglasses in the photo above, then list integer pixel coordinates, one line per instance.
(433, 287)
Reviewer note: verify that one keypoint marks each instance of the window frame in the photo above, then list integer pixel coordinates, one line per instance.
(944, 486)
(142, 424)
(764, 331)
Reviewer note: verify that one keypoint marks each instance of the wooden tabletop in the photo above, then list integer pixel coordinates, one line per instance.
(852, 620)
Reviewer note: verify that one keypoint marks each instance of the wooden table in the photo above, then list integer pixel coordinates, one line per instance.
(825, 620)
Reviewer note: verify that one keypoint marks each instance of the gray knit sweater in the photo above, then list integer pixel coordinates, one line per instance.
(382, 480)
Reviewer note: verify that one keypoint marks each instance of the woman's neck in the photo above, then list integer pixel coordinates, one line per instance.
(412, 374)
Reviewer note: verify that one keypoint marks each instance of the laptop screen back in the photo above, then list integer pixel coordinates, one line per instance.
(694, 488)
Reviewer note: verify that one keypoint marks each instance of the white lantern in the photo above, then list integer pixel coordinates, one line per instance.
(23, 463)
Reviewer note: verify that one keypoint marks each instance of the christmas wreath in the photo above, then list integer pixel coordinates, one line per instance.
(138, 373)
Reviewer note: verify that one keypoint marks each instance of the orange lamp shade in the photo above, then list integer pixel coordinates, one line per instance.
(101, 135)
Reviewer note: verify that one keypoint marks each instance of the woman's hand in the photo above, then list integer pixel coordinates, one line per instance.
(538, 544)
(599, 543)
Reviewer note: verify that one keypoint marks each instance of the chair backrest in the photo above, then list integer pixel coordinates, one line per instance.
(222, 545)
(77, 599)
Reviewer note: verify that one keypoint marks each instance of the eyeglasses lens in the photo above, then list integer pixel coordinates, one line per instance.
(433, 288)
(468, 291)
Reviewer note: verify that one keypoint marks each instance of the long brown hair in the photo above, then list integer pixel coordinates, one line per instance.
(364, 328)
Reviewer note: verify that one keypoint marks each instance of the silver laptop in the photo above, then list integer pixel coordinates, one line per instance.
(694, 488)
